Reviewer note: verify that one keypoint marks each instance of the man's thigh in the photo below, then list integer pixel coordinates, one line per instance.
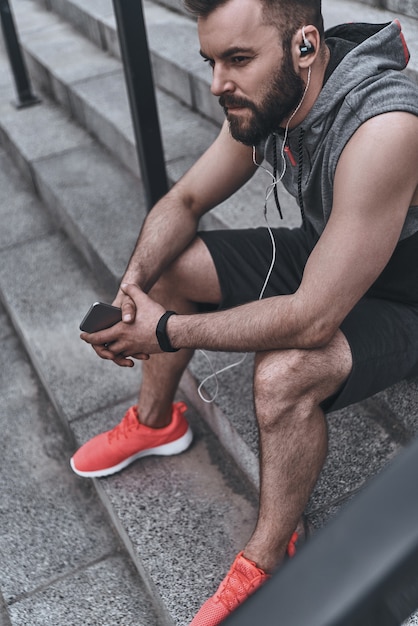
(193, 275)
(383, 338)
(246, 261)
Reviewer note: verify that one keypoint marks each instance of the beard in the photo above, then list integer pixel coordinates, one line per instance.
(278, 103)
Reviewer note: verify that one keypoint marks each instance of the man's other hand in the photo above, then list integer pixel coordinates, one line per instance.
(135, 339)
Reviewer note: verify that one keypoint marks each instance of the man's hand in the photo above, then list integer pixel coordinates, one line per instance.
(133, 340)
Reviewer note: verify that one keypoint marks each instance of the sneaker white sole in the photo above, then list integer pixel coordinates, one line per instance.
(167, 449)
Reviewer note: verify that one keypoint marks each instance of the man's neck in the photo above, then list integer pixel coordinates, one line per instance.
(312, 90)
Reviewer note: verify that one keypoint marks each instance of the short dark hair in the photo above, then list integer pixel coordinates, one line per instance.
(287, 15)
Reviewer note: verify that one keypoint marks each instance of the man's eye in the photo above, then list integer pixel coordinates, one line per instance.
(240, 60)
(210, 62)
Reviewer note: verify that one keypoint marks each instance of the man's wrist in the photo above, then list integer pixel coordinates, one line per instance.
(161, 332)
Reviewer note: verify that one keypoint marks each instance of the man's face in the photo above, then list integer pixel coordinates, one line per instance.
(253, 75)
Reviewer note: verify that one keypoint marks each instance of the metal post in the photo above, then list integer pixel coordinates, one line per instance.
(361, 570)
(25, 96)
(140, 85)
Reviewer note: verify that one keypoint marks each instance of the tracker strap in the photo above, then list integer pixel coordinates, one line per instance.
(161, 332)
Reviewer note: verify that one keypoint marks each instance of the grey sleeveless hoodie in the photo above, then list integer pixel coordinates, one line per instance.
(366, 82)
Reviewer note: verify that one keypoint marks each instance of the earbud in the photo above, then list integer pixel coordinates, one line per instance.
(306, 48)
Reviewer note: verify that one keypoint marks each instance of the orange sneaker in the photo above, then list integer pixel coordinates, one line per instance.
(242, 580)
(114, 449)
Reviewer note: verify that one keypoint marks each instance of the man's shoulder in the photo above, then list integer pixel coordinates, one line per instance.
(390, 91)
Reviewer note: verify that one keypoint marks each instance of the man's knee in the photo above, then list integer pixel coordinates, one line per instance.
(280, 385)
(295, 382)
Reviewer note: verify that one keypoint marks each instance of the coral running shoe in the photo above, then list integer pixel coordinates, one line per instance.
(130, 440)
(242, 580)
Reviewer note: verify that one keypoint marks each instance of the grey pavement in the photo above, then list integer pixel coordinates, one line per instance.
(127, 549)
(62, 561)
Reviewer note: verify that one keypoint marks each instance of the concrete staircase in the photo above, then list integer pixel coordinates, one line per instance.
(69, 247)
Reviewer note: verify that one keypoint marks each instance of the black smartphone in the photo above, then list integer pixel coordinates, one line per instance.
(100, 316)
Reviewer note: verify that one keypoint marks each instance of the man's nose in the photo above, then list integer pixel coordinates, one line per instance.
(221, 83)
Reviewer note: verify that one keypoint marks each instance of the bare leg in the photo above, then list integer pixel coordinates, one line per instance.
(191, 279)
(288, 388)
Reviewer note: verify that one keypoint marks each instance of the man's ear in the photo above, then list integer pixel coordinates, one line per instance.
(306, 44)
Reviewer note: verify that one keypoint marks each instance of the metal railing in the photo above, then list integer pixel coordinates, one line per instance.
(360, 570)
(25, 95)
(139, 81)
(141, 94)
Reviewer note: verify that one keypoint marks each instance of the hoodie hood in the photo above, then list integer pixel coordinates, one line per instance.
(364, 78)
(374, 49)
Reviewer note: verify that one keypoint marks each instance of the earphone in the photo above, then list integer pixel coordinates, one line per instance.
(306, 48)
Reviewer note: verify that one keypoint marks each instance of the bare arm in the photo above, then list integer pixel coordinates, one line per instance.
(172, 223)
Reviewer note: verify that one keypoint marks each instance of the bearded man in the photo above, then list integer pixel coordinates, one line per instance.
(337, 320)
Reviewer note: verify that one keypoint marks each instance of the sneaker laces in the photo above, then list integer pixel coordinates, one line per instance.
(236, 587)
(126, 426)
(131, 422)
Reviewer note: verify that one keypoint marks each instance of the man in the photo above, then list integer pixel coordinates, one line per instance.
(338, 320)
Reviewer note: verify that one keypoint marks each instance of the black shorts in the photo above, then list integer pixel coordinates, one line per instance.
(382, 329)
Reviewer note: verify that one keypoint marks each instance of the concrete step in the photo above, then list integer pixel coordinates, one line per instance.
(62, 561)
(401, 7)
(90, 85)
